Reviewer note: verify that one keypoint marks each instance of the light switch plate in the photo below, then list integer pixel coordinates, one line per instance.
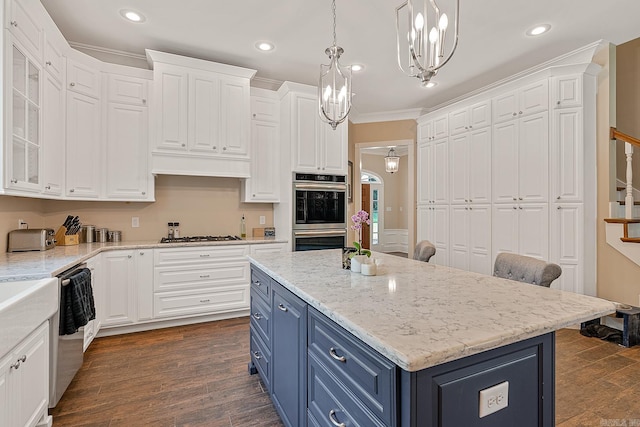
(494, 398)
(135, 222)
(262, 220)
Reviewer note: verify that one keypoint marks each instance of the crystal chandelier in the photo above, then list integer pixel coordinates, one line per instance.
(421, 51)
(391, 161)
(334, 88)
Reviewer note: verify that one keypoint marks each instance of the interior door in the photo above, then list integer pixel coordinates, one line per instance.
(366, 203)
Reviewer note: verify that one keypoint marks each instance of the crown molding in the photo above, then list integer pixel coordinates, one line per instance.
(386, 116)
(83, 46)
(264, 83)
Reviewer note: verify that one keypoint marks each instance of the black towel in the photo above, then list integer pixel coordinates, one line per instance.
(76, 303)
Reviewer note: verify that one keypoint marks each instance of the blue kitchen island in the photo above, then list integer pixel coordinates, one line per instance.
(415, 345)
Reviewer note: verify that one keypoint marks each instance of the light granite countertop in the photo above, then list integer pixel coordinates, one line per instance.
(42, 264)
(418, 314)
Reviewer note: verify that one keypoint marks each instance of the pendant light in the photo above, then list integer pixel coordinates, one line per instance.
(391, 161)
(421, 51)
(334, 88)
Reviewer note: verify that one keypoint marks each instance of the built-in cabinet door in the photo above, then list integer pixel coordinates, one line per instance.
(53, 136)
(567, 91)
(264, 184)
(567, 246)
(440, 167)
(83, 79)
(289, 345)
(504, 229)
(479, 241)
(534, 98)
(234, 117)
(459, 167)
(459, 121)
(480, 115)
(24, 24)
(505, 107)
(425, 131)
(441, 127)
(54, 61)
(171, 99)
(83, 152)
(5, 392)
(204, 113)
(533, 158)
(505, 162)
(127, 89)
(306, 154)
(479, 161)
(127, 174)
(439, 233)
(424, 172)
(533, 234)
(144, 283)
(567, 153)
(120, 295)
(459, 237)
(94, 265)
(333, 144)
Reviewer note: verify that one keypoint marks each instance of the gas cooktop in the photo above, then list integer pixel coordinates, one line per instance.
(188, 239)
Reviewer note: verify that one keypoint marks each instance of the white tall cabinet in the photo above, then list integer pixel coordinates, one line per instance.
(518, 158)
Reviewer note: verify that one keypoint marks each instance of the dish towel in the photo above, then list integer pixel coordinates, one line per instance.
(76, 303)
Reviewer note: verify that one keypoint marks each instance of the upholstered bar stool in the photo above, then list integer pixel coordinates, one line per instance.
(526, 269)
(424, 251)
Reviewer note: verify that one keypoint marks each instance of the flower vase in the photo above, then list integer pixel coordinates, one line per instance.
(356, 263)
(346, 257)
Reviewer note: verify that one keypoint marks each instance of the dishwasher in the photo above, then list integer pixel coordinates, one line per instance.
(66, 351)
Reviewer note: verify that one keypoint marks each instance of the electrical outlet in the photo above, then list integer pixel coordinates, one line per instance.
(22, 224)
(135, 222)
(263, 220)
(493, 399)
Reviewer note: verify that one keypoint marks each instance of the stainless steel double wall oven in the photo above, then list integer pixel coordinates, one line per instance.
(319, 211)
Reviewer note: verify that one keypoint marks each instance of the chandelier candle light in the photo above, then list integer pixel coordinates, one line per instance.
(334, 88)
(391, 161)
(423, 52)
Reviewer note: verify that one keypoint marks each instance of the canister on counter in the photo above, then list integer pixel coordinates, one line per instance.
(115, 236)
(87, 234)
(101, 235)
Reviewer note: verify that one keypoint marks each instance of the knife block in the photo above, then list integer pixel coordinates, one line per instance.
(63, 239)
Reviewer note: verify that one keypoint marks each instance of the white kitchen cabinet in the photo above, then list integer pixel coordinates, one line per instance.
(264, 184)
(469, 118)
(24, 381)
(200, 281)
(123, 89)
(566, 155)
(423, 172)
(470, 166)
(433, 225)
(316, 147)
(54, 59)
(202, 116)
(127, 174)
(566, 91)
(433, 128)
(471, 238)
(84, 78)
(144, 283)
(567, 245)
(24, 130)
(520, 160)
(521, 228)
(92, 328)
(53, 134)
(119, 290)
(24, 21)
(433, 171)
(83, 171)
(530, 99)
(268, 248)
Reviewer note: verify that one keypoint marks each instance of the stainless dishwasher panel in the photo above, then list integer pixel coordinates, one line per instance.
(66, 350)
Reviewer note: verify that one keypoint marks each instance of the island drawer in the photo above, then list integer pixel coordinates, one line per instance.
(261, 283)
(369, 376)
(261, 318)
(330, 404)
(261, 358)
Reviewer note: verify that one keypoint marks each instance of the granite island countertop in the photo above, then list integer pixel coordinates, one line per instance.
(35, 265)
(419, 314)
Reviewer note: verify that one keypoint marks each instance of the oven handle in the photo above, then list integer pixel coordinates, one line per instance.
(306, 186)
(319, 233)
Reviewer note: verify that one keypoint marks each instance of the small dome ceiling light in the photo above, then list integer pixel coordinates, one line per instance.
(265, 46)
(538, 30)
(357, 67)
(132, 16)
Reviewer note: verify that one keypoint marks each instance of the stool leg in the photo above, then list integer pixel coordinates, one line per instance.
(631, 330)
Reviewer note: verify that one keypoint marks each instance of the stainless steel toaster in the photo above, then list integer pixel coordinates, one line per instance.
(31, 239)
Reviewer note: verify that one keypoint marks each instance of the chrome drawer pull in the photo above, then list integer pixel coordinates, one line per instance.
(19, 362)
(282, 307)
(257, 283)
(257, 316)
(332, 352)
(204, 276)
(204, 255)
(204, 300)
(257, 355)
(334, 421)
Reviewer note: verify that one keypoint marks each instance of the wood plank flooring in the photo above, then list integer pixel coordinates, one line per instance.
(197, 376)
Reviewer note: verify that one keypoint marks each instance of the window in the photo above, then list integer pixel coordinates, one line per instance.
(375, 230)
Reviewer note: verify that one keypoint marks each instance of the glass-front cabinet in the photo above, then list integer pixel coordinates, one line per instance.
(23, 165)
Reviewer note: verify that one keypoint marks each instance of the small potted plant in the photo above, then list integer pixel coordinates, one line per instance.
(360, 255)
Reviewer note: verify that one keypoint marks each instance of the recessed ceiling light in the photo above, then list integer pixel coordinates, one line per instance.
(265, 46)
(357, 67)
(539, 29)
(132, 16)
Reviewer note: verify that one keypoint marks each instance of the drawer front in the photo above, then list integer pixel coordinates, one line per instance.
(260, 283)
(329, 404)
(177, 278)
(364, 372)
(187, 256)
(261, 358)
(261, 318)
(209, 301)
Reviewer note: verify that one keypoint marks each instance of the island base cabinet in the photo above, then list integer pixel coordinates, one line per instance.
(447, 395)
(289, 356)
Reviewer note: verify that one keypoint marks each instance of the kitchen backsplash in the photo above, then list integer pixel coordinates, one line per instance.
(202, 205)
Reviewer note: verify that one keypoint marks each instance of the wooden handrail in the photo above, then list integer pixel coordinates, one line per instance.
(616, 134)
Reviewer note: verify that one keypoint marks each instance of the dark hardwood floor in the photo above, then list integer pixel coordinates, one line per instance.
(197, 376)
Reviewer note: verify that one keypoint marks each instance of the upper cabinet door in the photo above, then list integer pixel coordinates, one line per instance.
(534, 98)
(54, 61)
(204, 113)
(171, 107)
(235, 116)
(441, 127)
(424, 172)
(479, 166)
(83, 146)
(567, 91)
(333, 144)
(24, 23)
(53, 136)
(480, 115)
(84, 79)
(505, 107)
(459, 168)
(459, 121)
(505, 162)
(533, 153)
(127, 90)
(306, 154)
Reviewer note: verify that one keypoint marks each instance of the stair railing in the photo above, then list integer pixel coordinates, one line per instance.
(629, 142)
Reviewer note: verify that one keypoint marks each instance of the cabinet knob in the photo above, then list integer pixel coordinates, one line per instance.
(253, 195)
(254, 114)
(72, 190)
(519, 198)
(559, 207)
(558, 197)
(466, 208)
(466, 127)
(257, 315)
(515, 114)
(128, 256)
(332, 353)
(257, 355)
(48, 63)
(72, 84)
(514, 199)
(282, 308)
(141, 253)
(183, 145)
(48, 187)
(14, 181)
(224, 148)
(470, 201)
(515, 207)
(144, 101)
(318, 167)
(470, 127)
(520, 112)
(558, 103)
(214, 147)
(14, 23)
(519, 207)
(144, 193)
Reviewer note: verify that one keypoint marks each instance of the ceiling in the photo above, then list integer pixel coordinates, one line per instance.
(492, 45)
